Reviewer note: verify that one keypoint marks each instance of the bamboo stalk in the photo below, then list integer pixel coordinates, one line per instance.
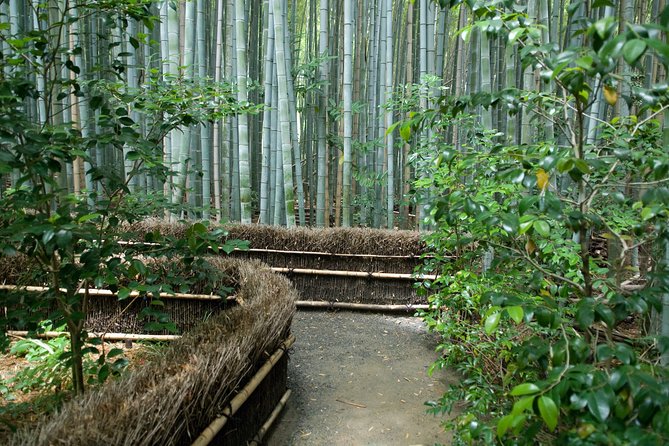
(257, 440)
(98, 292)
(371, 275)
(310, 304)
(105, 336)
(208, 435)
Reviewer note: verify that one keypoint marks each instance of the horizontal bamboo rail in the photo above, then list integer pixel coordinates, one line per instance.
(109, 293)
(257, 440)
(209, 433)
(360, 274)
(332, 254)
(104, 336)
(309, 253)
(309, 304)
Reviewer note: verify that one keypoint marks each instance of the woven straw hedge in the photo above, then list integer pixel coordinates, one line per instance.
(337, 249)
(106, 314)
(169, 401)
(330, 240)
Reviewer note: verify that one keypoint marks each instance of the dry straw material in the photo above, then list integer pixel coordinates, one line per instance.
(172, 399)
(328, 240)
(395, 255)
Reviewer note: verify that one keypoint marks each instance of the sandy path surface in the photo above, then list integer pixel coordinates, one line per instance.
(360, 379)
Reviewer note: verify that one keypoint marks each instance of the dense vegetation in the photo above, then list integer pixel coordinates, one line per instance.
(532, 139)
(555, 309)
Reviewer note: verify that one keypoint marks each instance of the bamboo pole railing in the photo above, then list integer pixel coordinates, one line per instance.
(308, 253)
(333, 254)
(360, 274)
(257, 440)
(104, 336)
(109, 293)
(317, 305)
(209, 433)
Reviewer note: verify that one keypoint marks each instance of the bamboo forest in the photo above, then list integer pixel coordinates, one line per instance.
(497, 170)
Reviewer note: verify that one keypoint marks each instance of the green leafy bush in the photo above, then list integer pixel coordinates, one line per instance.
(545, 328)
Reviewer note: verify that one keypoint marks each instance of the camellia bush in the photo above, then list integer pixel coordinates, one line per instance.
(553, 254)
(71, 239)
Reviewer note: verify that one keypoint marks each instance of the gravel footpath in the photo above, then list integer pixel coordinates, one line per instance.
(360, 379)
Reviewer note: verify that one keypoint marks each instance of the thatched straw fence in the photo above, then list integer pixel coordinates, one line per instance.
(334, 265)
(171, 400)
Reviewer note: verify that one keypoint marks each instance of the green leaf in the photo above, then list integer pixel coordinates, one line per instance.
(585, 313)
(525, 389)
(88, 217)
(103, 373)
(96, 102)
(504, 424)
(63, 238)
(549, 411)
(514, 34)
(605, 314)
(648, 212)
(114, 352)
(598, 405)
(123, 293)
(523, 404)
(491, 322)
(125, 120)
(625, 353)
(405, 132)
(516, 313)
(510, 223)
(582, 166)
(542, 227)
(633, 50)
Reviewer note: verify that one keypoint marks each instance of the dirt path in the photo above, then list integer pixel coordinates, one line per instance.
(360, 379)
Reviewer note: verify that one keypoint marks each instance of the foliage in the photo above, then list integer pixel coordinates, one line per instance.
(537, 320)
(73, 238)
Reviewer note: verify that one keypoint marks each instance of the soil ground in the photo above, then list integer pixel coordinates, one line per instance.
(360, 379)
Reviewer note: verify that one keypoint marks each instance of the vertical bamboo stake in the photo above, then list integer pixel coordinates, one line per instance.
(216, 149)
(267, 116)
(347, 91)
(284, 111)
(390, 140)
(322, 115)
(242, 118)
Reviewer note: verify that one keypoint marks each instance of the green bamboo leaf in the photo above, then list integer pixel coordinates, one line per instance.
(516, 313)
(525, 389)
(405, 132)
(549, 411)
(633, 50)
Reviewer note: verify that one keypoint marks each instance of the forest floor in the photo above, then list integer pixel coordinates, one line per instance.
(361, 379)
